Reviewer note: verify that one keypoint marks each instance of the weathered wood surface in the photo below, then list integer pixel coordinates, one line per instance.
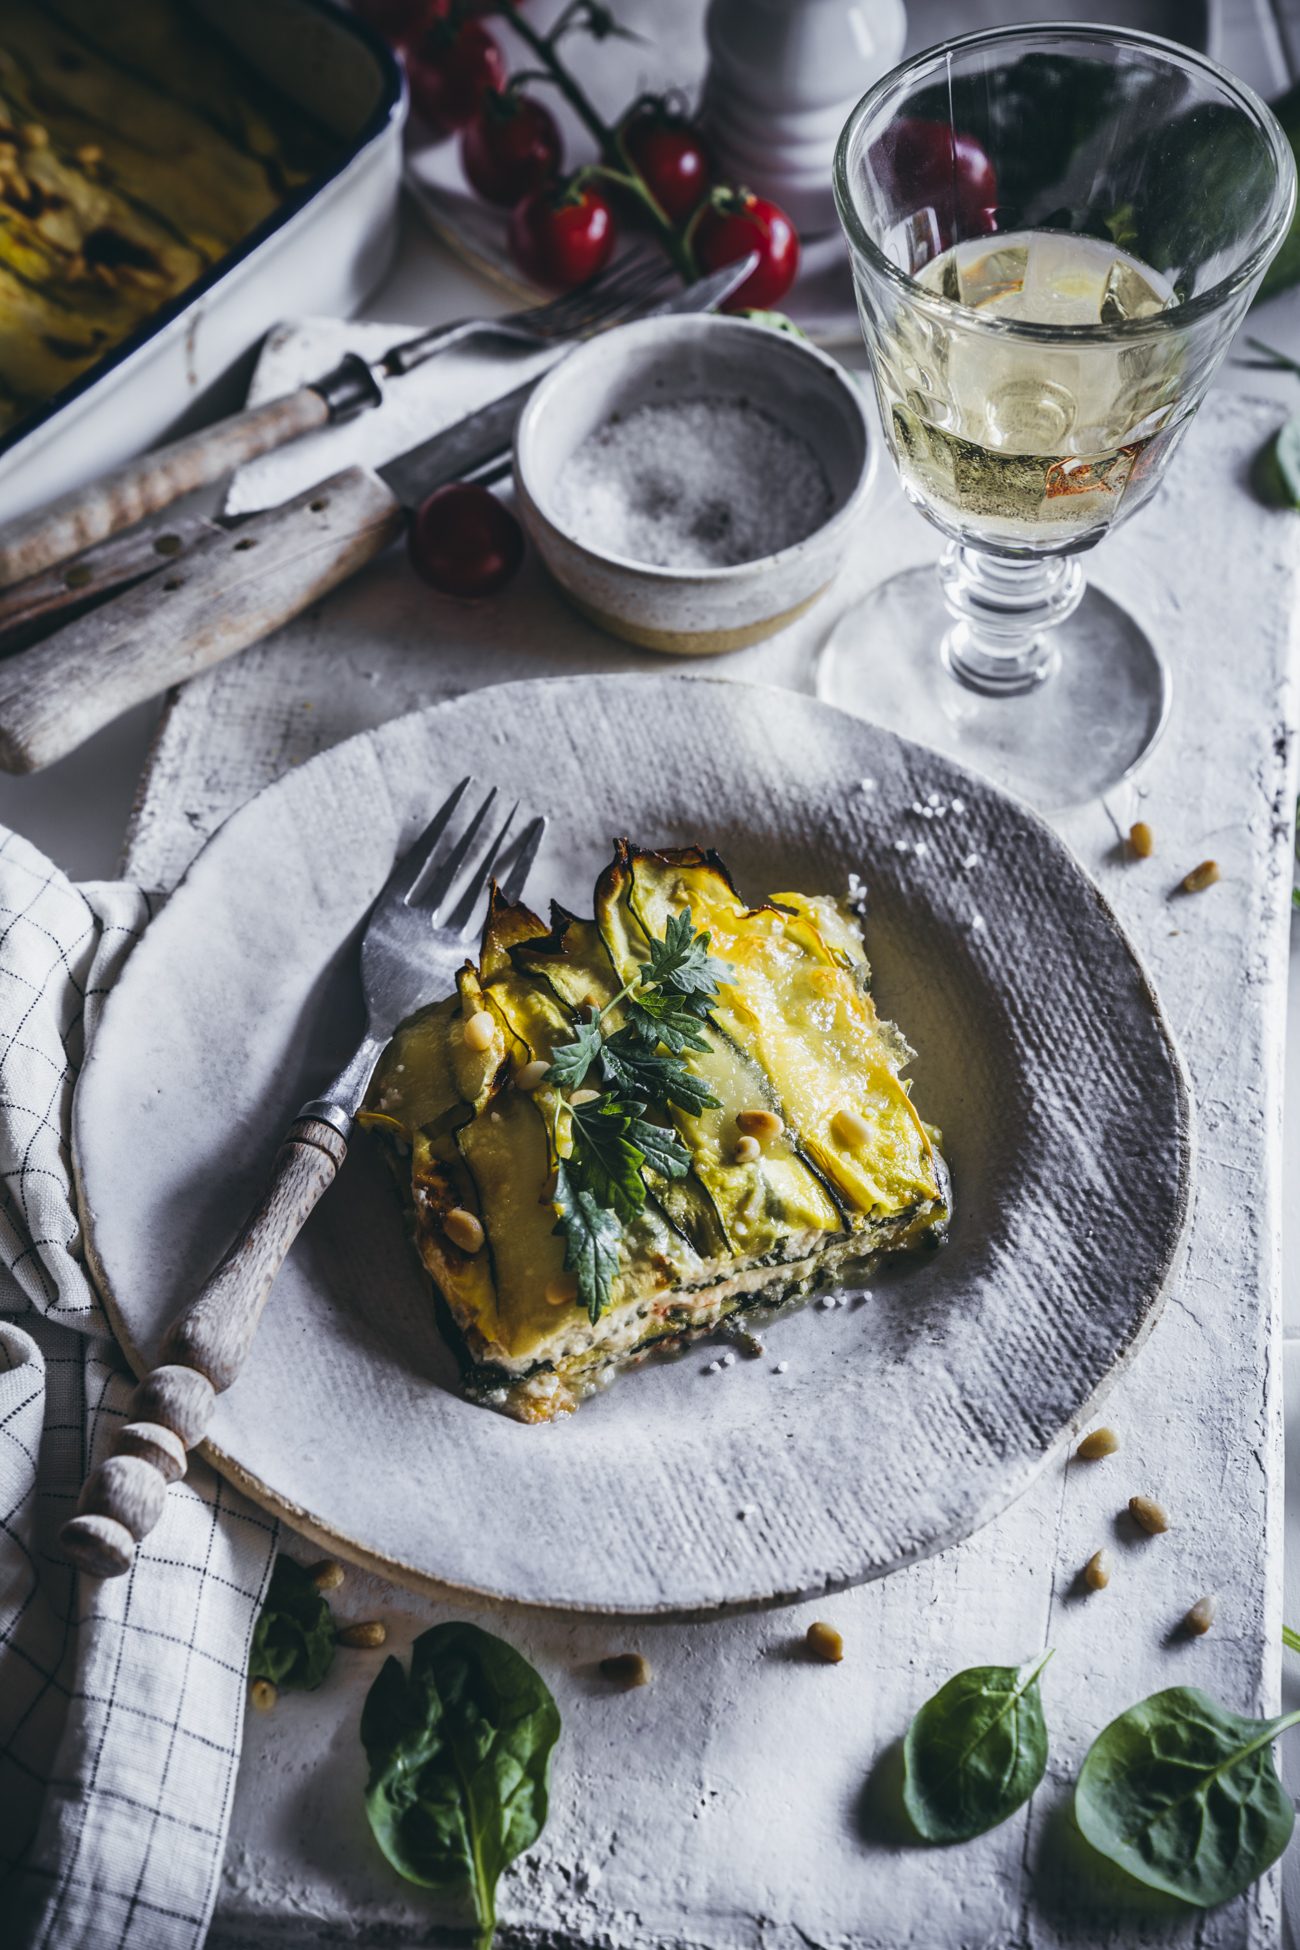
(722, 1805)
(153, 481)
(229, 590)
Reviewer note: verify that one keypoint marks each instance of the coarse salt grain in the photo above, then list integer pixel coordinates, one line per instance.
(728, 1359)
(972, 860)
(693, 484)
(782, 1367)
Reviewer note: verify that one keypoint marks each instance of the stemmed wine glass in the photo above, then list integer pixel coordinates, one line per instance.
(1055, 232)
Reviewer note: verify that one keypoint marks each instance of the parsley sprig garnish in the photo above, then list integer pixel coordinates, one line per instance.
(601, 1185)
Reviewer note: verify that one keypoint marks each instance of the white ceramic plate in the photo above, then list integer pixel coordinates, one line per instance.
(905, 1419)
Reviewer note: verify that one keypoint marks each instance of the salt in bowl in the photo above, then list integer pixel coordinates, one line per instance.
(697, 610)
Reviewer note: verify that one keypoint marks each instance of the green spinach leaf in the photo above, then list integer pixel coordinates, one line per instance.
(460, 1755)
(1184, 1796)
(975, 1752)
(293, 1639)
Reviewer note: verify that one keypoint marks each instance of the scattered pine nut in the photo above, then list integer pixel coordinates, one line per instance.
(328, 1575)
(463, 1229)
(263, 1695)
(89, 154)
(364, 1637)
(747, 1149)
(479, 1030)
(33, 136)
(628, 1668)
(561, 1292)
(1142, 840)
(1096, 1572)
(1148, 1515)
(531, 1074)
(1101, 1442)
(850, 1129)
(824, 1642)
(760, 1124)
(1201, 1616)
(1201, 877)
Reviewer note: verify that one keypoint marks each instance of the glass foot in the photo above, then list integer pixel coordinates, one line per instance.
(1099, 705)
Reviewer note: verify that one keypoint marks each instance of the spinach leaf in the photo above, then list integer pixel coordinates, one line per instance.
(1184, 1796)
(460, 1754)
(975, 1752)
(293, 1639)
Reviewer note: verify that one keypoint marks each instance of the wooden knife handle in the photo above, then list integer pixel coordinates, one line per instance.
(141, 487)
(203, 1353)
(230, 590)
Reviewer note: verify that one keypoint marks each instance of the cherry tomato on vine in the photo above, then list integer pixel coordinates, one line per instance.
(512, 146)
(669, 155)
(736, 222)
(451, 66)
(563, 236)
(463, 542)
(931, 165)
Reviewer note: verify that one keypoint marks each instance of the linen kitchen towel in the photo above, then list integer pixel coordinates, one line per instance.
(121, 1703)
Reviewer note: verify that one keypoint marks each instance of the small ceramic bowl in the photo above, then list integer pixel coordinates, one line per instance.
(695, 612)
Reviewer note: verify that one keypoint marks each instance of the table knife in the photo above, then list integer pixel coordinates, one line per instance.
(235, 583)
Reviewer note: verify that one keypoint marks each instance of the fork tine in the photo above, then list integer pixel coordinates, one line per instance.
(430, 890)
(476, 882)
(412, 863)
(513, 885)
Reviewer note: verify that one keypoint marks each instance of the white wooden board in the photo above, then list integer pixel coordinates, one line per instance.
(718, 1807)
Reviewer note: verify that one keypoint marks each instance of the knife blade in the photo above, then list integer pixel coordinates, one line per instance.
(236, 584)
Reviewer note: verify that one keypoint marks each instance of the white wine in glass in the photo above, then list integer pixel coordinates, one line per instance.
(1054, 232)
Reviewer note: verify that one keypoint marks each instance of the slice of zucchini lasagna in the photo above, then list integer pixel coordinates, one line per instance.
(618, 1132)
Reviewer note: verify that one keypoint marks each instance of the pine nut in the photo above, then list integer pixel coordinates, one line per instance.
(263, 1695)
(1096, 1572)
(463, 1230)
(479, 1030)
(33, 136)
(824, 1642)
(1101, 1442)
(1148, 1515)
(1201, 877)
(747, 1149)
(1201, 1616)
(364, 1637)
(1142, 840)
(328, 1575)
(561, 1292)
(850, 1129)
(584, 1097)
(531, 1074)
(628, 1668)
(760, 1124)
(89, 154)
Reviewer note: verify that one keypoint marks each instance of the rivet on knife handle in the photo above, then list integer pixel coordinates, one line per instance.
(125, 1494)
(141, 487)
(227, 592)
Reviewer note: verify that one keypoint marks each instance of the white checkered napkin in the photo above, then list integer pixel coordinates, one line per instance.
(121, 1704)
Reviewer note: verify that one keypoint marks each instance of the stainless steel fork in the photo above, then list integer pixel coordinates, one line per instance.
(416, 937)
(603, 301)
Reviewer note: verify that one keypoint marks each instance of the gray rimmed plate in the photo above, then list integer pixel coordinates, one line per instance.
(903, 1420)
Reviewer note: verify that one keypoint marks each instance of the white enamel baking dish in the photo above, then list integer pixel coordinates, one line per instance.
(321, 251)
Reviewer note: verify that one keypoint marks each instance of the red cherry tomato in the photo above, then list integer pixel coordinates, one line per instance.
(562, 237)
(511, 147)
(930, 165)
(736, 224)
(464, 543)
(669, 154)
(451, 68)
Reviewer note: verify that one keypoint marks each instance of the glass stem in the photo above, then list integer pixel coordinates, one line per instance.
(1004, 611)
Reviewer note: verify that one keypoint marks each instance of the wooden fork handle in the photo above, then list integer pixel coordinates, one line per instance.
(144, 486)
(203, 1353)
(229, 590)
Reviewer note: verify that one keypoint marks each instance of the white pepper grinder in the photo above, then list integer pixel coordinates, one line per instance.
(783, 75)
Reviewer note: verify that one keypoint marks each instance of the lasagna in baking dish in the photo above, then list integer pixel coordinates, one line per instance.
(620, 1132)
